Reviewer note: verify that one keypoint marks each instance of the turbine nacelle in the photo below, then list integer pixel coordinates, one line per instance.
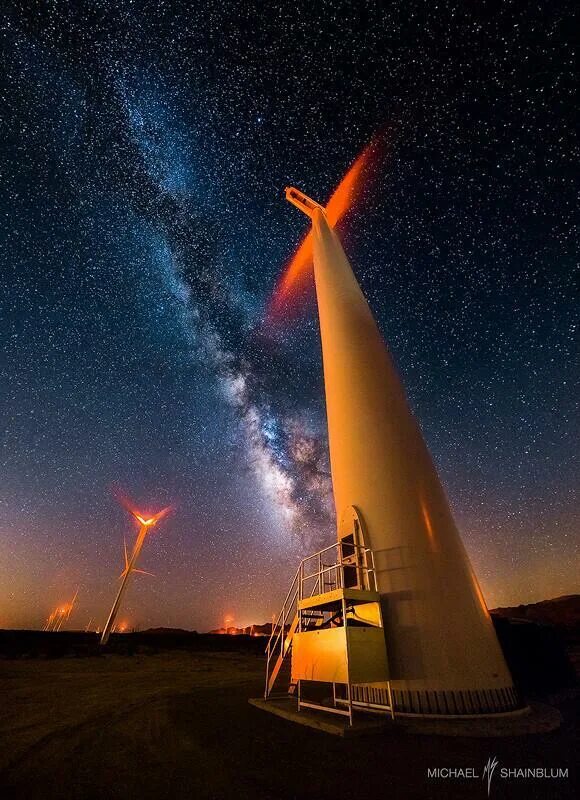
(149, 522)
(306, 204)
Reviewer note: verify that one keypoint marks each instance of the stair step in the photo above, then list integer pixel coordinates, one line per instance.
(281, 659)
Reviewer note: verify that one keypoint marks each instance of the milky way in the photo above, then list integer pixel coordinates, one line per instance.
(147, 147)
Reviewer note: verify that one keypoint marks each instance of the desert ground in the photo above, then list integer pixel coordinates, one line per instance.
(178, 725)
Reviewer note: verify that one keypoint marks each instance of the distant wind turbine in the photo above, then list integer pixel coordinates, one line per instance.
(145, 526)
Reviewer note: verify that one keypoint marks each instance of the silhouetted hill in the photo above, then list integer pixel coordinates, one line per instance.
(250, 630)
(168, 632)
(540, 642)
(561, 612)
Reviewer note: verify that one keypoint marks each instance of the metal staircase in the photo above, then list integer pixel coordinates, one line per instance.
(280, 641)
(335, 567)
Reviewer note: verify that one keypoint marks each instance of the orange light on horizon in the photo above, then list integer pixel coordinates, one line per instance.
(228, 623)
(339, 204)
(60, 614)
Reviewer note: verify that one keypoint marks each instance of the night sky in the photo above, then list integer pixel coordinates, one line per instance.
(145, 149)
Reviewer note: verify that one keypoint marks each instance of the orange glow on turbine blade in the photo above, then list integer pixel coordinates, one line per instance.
(142, 519)
(347, 190)
(295, 272)
(150, 521)
(123, 500)
(160, 514)
(341, 201)
(428, 525)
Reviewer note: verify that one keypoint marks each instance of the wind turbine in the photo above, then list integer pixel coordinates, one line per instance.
(68, 609)
(49, 621)
(145, 525)
(60, 614)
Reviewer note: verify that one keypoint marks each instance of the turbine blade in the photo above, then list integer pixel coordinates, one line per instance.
(125, 502)
(163, 513)
(143, 572)
(72, 604)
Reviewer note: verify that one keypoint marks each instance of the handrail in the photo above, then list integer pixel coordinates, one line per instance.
(275, 633)
(340, 543)
(329, 568)
(300, 577)
(363, 554)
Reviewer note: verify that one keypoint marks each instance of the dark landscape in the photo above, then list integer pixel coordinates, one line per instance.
(165, 714)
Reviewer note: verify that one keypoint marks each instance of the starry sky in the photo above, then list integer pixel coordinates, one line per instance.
(145, 151)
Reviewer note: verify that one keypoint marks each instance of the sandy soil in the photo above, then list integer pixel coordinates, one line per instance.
(178, 725)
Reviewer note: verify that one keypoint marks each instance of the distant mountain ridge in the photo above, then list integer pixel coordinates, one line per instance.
(250, 630)
(562, 612)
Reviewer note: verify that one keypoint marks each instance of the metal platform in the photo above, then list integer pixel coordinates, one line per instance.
(287, 708)
(331, 630)
(328, 600)
(537, 718)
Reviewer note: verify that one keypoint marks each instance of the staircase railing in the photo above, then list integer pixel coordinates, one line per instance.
(325, 569)
(277, 640)
(315, 576)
